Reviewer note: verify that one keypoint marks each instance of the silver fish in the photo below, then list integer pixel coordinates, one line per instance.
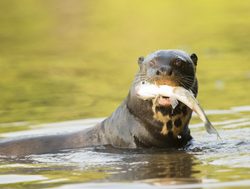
(147, 91)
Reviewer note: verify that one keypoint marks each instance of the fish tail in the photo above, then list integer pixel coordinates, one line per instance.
(210, 129)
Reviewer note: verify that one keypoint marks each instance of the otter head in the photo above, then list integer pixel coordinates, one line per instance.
(169, 67)
(164, 67)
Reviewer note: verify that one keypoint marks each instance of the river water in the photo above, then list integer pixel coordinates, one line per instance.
(64, 65)
(208, 163)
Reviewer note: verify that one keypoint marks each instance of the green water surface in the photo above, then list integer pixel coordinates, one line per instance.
(62, 60)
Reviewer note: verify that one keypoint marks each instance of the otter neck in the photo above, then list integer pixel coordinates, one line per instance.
(161, 120)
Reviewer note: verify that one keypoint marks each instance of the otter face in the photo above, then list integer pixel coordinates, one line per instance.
(170, 67)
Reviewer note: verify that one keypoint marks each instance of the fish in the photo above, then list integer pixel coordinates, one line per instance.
(147, 91)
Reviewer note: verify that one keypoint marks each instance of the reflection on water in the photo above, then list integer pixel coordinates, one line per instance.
(8, 179)
(127, 165)
(207, 163)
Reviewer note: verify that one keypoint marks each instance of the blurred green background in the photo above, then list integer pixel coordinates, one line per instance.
(72, 59)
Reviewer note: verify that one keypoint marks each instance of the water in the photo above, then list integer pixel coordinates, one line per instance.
(74, 60)
(207, 163)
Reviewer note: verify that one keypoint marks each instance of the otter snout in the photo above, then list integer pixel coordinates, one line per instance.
(164, 71)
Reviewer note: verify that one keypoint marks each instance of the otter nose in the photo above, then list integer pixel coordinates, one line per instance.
(164, 71)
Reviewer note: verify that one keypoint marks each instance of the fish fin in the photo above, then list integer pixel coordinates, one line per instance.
(219, 138)
(174, 102)
(191, 92)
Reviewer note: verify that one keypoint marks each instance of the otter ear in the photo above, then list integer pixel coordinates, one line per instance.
(140, 60)
(194, 59)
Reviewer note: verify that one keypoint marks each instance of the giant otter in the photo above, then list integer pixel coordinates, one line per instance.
(135, 123)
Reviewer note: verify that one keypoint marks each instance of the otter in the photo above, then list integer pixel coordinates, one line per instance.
(135, 123)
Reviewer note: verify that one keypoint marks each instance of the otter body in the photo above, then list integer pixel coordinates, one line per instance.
(135, 123)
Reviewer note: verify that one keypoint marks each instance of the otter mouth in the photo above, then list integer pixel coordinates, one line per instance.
(163, 101)
(150, 92)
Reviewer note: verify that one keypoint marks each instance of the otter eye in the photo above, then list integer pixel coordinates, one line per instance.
(152, 63)
(143, 82)
(178, 62)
